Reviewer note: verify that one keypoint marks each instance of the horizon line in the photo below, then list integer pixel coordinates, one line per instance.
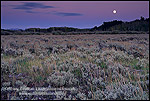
(72, 26)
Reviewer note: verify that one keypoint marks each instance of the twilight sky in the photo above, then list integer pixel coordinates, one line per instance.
(79, 14)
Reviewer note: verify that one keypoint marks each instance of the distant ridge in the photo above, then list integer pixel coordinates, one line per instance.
(136, 25)
(115, 27)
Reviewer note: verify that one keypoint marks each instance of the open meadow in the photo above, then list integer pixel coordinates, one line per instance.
(95, 66)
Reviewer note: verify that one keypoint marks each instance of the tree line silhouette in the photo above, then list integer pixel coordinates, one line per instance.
(136, 25)
(141, 24)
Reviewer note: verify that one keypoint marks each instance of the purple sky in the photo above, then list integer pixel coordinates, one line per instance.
(79, 14)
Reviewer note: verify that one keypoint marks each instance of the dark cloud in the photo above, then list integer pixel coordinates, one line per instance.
(30, 6)
(31, 12)
(22, 7)
(67, 14)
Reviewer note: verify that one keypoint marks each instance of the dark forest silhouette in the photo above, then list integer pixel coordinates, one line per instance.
(115, 26)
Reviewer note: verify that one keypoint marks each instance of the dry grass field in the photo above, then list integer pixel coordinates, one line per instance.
(96, 66)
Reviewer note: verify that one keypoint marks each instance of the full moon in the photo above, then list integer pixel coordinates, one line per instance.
(114, 11)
